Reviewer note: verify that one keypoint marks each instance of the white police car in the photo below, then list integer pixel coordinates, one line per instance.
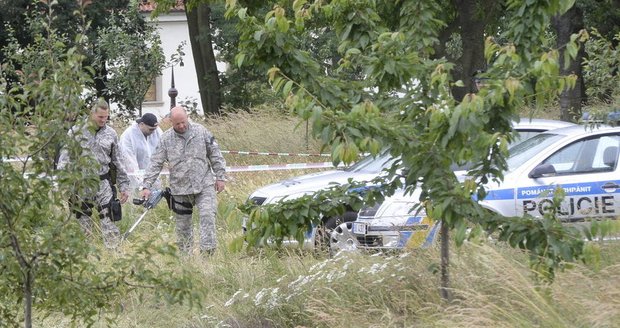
(365, 170)
(580, 160)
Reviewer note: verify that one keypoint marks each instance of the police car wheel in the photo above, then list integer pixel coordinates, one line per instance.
(343, 239)
(322, 241)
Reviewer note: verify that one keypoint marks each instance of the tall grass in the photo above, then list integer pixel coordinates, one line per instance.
(492, 284)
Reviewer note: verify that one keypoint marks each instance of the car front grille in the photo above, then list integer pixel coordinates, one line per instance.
(370, 241)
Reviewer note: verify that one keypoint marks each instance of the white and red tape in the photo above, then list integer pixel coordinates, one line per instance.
(248, 168)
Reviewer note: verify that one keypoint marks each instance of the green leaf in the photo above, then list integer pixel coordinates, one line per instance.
(345, 33)
(258, 35)
(239, 59)
(353, 52)
(461, 235)
(241, 13)
(287, 88)
(336, 153)
(298, 4)
(282, 24)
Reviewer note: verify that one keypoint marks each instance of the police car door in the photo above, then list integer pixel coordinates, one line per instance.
(587, 171)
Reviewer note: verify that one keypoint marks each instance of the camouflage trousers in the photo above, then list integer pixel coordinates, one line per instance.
(111, 233)
(206, 202)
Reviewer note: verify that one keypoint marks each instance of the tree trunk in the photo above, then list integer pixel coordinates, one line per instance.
(470, 23)
(472, 36)
(570, 99)
(199, 24)
(445, 263)
(28, 299)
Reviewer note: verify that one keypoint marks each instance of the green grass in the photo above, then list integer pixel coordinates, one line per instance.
(492, 284)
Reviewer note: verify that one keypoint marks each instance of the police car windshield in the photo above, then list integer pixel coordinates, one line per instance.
(525, 150)
(370, 164)
(524, 134)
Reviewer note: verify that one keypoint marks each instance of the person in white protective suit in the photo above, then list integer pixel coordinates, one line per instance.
(137, 143)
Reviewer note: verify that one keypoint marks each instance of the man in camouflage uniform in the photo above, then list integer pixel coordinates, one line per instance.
(197, 172)
(101, 142)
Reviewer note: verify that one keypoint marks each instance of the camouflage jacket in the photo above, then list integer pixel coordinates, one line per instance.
(101, 145)
(194, 163)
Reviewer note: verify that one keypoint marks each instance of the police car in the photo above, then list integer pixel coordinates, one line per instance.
(386, 226)
(582, 161)
(365, 170)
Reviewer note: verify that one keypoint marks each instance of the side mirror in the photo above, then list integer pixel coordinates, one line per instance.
(542, 170)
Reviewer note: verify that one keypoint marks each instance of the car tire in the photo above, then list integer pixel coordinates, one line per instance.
(343, 239)
(322, 240)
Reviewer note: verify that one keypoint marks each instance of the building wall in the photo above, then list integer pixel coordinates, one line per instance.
(173, 32)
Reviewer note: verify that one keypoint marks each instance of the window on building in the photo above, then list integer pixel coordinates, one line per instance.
(153, 94)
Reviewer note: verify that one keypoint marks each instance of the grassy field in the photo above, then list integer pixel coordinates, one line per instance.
(492, 284)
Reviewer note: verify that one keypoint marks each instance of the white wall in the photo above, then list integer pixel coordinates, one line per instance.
(173, 31)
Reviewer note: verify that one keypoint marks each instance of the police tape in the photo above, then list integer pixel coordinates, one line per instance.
(15, 159)
(231, 152)
(275, 167)
(272, 167)
(240, 152)
(248, 168)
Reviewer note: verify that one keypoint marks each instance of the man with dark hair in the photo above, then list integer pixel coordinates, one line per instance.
(138, 142)
(197, 172)
(101, 142)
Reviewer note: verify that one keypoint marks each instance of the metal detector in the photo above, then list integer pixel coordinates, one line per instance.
(148, 204)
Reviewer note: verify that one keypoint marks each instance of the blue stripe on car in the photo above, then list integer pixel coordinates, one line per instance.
(431, 235)
(414, 220)
(404, 238)
(573, 189)
(500, 194)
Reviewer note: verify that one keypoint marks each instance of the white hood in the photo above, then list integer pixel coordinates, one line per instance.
(308, 184)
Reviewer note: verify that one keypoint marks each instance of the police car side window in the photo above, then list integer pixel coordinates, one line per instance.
(606, 156)
(586, 156)
(565, 160)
